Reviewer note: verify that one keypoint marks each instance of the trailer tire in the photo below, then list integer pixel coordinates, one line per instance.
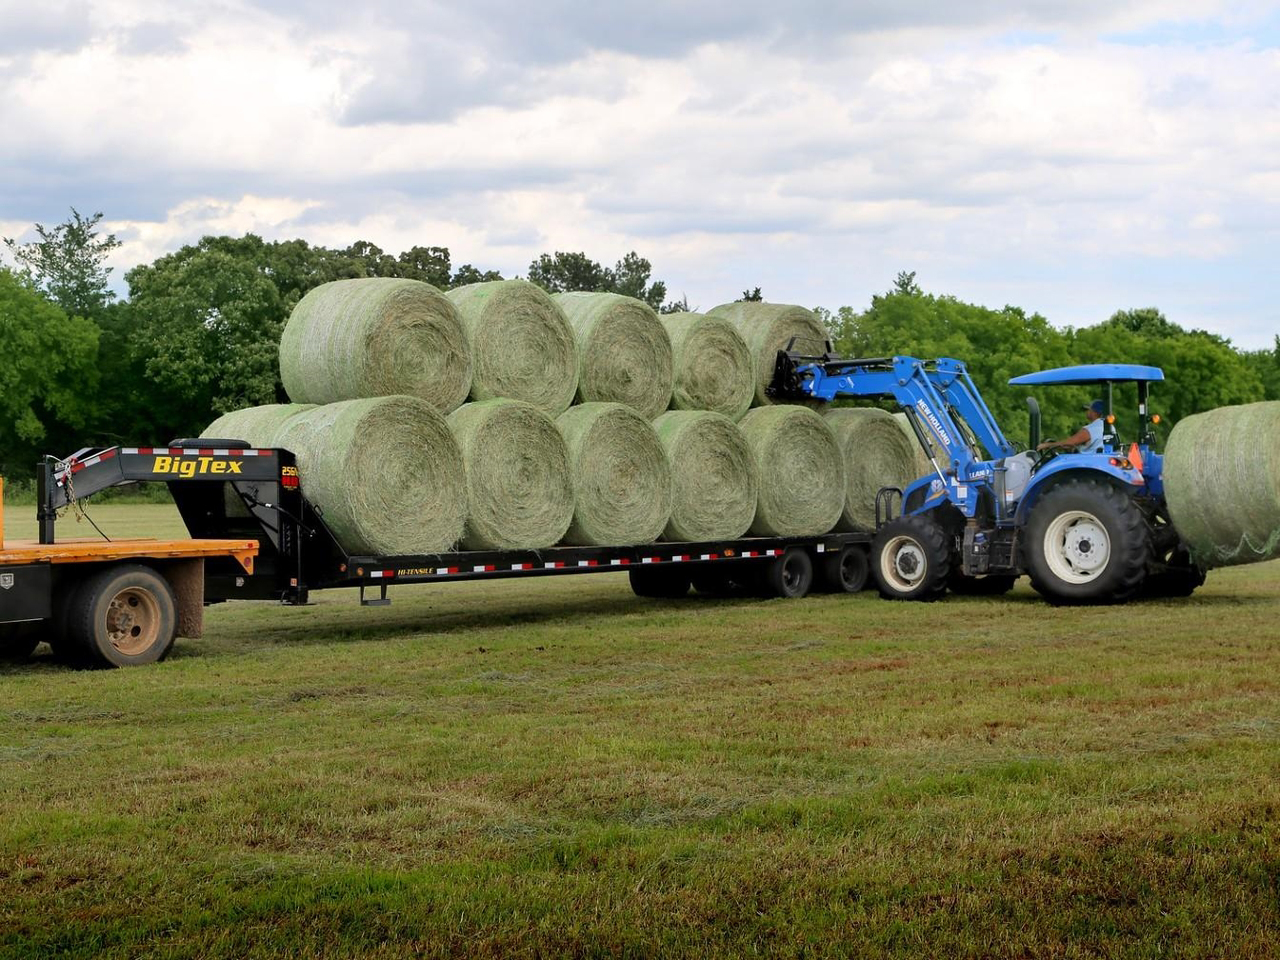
(789, 576)
(845, 571)
(910, 559)
(1087, 543)
(122, 616)
(716, 583)
(659, 583)
(19, 640)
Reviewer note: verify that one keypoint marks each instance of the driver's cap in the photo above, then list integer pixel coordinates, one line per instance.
(1097, 407)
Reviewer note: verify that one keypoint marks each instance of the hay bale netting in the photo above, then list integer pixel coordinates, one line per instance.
(519, 489)
(375, 337)
(624, 352)
(923, 463)
(800, 470)
(712, 365)
(713, 476)
(522, 347)
(621, 480)
(1222, 483)
(876, 455)
(385, 471)
(768, 328)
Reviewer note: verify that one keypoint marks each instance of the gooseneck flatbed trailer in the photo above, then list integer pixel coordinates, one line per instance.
(254, 536)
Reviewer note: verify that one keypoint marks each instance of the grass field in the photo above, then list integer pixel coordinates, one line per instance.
(555, 767)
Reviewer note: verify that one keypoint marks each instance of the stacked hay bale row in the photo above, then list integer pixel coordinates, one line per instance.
(556, 444)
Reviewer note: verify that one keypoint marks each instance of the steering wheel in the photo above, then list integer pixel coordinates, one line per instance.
(1044, 456)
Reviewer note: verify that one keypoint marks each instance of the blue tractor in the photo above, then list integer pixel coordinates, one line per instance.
(1086, 527)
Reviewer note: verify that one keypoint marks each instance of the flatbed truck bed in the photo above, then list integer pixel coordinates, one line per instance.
(255, 537)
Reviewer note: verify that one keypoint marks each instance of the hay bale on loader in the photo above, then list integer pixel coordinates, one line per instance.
(768, 328)
(624, 351)
(375, 337)
(386, 471)
(522, 347)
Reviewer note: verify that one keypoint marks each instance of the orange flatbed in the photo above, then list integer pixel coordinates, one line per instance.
(102, 551)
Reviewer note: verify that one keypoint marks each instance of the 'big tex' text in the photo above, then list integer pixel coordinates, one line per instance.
(190, 466)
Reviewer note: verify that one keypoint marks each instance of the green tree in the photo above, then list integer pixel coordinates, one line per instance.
(906, 284)
(428, 264)
(67, 263)
(467, 274)
(204, 327)
(48, 375)
(631, 278)
(1265, 365)
(563, 272)
(751, 295)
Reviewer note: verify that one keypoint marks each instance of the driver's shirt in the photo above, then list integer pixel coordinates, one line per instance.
(1094, 443)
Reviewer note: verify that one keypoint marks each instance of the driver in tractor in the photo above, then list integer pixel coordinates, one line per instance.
(1088, 439)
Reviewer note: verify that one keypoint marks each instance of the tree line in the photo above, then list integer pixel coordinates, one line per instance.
(196, 335)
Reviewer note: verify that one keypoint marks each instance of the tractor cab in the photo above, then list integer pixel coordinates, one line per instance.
(1131, 445)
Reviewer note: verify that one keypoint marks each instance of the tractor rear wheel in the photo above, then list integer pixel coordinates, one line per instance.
(910, 559)
(1086, 542)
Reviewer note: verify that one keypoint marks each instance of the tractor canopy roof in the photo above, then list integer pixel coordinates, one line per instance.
(1089, 373)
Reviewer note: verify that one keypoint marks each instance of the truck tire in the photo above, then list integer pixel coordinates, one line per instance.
(1086, 543)
(844, 571)
(910, 559)
(122, 616)
(790, 575)
(659, 583)
(19, 640)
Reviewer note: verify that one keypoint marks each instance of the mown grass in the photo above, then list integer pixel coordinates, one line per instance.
(556, 767)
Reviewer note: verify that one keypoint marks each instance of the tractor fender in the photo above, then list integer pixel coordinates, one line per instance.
(1066, 468)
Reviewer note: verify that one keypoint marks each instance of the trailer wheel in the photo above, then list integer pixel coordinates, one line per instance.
(122, 616)
(715, 583)
(845, 571)
(659, 583)
(19, 640)
(790, 575)
(1086, 543)
(910, 559)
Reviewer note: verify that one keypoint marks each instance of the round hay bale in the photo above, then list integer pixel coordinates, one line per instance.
(624, 352)
(923, 463)
(800, 470)
(768, 328)
(522, 347)
(519, 490)
(375, 337)
(621, 480)
(256, 426)
(713, 367)
(713, 476)
(385, 471)
(876, 455)
(1222, 483)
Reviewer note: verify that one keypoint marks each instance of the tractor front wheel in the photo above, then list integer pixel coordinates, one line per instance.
(1086, 543)
(910, 559)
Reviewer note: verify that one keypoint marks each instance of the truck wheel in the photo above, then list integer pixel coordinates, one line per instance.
(990, 585)
(122, 616)
(845, 571)
(659, 583)
(1086, 543)
(790, 575)
(910, 559)
(19, 640)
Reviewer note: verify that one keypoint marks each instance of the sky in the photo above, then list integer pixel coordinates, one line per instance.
(1071, 158)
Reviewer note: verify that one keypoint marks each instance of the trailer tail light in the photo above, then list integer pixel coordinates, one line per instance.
(289, 478)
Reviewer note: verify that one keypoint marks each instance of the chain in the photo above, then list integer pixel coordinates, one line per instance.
(72, 503)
